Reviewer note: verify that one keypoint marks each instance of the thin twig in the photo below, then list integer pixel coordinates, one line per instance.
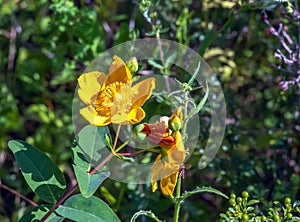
(18, 194)
(71, 190)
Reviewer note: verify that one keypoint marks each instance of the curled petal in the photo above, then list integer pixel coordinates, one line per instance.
(118, 72)
(136, 115)
(89, 86)
(91, 115)
(167, 184)
(143, 91)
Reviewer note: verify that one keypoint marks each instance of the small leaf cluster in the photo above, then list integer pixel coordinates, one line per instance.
(244, 209)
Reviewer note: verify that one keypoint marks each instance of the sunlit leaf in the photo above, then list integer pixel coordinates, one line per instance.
(92, 142)
(38, 213)
(88, 184)
(93, 209)
(41, 174)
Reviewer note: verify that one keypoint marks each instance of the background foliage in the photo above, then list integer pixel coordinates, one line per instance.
(45, 46)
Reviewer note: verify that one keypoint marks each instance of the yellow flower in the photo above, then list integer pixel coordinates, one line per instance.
(167, 164)
(112, 98)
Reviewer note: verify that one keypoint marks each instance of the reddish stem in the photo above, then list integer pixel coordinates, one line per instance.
(70, 191)
(19, 195)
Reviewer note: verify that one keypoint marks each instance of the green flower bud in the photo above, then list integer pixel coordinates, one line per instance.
(132, 64)
(232, 202)
(232, 196)
(276, 217)
(287, 201)
(289, 215)
(138, 132)
(245, 194)
(245, 217)
(239, 200)
(236, 208)
(175, 123)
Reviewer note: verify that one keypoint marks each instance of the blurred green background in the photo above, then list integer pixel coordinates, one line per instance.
(46, 45)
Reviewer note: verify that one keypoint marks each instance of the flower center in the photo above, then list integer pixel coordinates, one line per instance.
(115, 98)
(122, 102)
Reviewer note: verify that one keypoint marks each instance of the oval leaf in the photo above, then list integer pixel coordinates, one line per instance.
(93, 209)
(88, 184)
(92, 140)
(41, 174)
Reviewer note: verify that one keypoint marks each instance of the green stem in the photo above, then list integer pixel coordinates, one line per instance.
(121, 195)
(122, 146)
(185, 114)
(116, 138)
(178, 202)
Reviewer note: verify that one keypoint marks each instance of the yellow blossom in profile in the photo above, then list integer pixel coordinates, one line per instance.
(112, 98)
(167, 164)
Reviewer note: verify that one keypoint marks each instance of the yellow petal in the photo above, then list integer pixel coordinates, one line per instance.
(90, 114)
(168, 184)
(121, 118)
(176, 155)
(154, 186)
(136, 115)
(118, 72)
(156, 171)
(89, 86)
(142, 91)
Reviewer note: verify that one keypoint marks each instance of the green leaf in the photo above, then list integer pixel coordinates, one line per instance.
(92, 141)
(38, 212)
(93, 209)
(88, 184)
(79, 158)
(190, 82)
(296, 218)
(296, 203)
(196, 109)
(206, 42)
(201, 190)
(41, 174)
(252, 202)
(122, 35)
(155, 64)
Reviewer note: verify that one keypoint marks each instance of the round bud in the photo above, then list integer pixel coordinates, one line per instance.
(232, 196)
(138, 132)
(132, 64)
(175, 123)
(232, 202)
(245, 217)
(276, 217)
(287, 201)
(245, 194)
(289, 215)
(239, 200)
